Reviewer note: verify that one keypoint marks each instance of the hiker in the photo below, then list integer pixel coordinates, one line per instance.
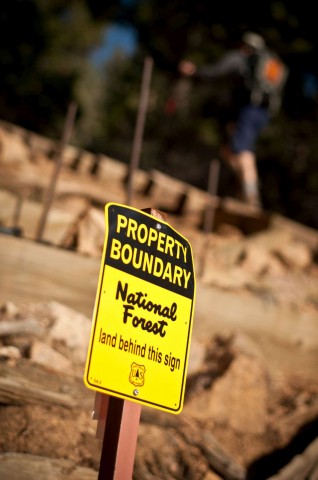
(260, 77)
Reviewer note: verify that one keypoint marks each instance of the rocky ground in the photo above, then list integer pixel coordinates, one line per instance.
(251, 403)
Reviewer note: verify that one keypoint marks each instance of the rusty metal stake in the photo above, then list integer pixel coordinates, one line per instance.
(140, 123)
(212, 191)
(17, 210)
(67, 132)
(209, 213)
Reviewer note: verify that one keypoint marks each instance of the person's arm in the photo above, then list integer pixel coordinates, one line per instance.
(231, 63)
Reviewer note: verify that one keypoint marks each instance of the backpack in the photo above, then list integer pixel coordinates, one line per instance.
(266, 78)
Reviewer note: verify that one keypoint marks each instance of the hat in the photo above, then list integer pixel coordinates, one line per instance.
(253, 40)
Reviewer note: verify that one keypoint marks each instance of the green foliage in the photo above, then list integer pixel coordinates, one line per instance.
(44, 61)
(43, 52)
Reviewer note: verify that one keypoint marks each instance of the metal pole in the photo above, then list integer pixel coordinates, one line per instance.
(212, 191)
(209, 213)
(67, 132)
(140, 123)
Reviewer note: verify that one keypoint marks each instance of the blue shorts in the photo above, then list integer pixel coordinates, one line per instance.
(250, 122)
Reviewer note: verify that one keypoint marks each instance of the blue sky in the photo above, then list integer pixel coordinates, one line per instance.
(116, 38)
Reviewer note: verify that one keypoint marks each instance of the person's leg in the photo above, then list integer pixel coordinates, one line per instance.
(246, 162)
(250, 123)
(234, 184)
(243, 164)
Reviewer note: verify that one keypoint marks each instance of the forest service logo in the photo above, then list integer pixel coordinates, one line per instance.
(137, 374)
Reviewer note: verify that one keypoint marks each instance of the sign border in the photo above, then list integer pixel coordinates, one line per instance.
(103, 266)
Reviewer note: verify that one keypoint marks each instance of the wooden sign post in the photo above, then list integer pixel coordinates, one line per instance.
(118, 422)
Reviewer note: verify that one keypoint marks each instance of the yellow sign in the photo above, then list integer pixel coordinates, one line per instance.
(141, 331)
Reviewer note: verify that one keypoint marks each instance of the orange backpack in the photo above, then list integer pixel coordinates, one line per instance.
(267, 77)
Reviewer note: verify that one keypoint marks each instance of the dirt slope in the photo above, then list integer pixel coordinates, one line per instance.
(251, 407)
